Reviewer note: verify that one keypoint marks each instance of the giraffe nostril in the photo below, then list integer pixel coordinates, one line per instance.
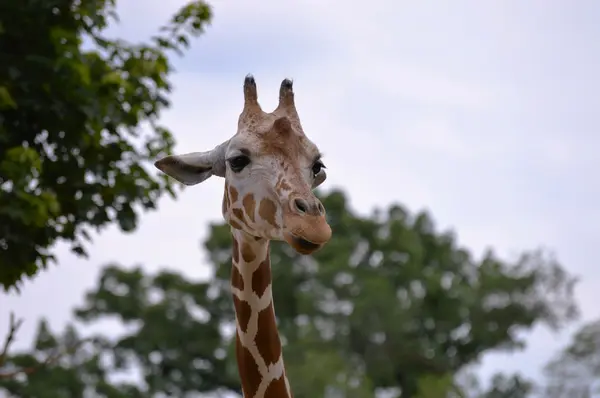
(301, 205)
(320, 208)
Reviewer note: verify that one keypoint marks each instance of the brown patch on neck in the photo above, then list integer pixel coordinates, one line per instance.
(248, 369)
(242, 308)
(261, 279)
(267, 338)
(247, 253)
(242, 312)
(249, 206)
(277, 389)
(267, 210)
(235, 255)
(236, 278)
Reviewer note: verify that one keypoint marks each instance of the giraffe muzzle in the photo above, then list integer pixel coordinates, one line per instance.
(304, 246)
(307, 234)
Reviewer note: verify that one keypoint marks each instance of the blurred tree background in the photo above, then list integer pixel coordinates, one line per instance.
(390, 307)
(390, 304)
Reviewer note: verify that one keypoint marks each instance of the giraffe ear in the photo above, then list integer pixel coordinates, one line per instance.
(193, 168)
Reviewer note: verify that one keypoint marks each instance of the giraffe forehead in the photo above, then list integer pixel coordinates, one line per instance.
(290, 146)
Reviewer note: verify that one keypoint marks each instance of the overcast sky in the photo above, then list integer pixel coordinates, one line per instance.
(481, 112)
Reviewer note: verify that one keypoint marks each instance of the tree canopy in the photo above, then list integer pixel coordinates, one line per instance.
(575, 370)
(73, 153)
(390, 303)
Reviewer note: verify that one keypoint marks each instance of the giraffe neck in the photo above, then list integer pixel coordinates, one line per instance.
(258, 347)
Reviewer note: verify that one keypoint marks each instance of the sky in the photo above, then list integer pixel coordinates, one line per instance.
(481, 113)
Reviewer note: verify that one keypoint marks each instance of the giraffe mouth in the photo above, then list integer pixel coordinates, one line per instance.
(303, 246)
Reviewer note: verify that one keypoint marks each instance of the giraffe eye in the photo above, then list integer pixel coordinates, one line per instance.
(317, 167)
(237, 163)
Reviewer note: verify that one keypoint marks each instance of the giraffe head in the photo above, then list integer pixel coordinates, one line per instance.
(270, 169)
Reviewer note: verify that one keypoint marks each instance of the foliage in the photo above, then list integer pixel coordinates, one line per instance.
(514, 386)
(389, 303)
(63, 366)
(72, 152)
(438, 387)
(575, 371)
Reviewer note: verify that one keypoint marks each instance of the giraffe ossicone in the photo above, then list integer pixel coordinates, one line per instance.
(270, 169)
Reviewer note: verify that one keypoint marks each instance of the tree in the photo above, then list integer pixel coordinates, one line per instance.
(575, 371)
(175, 343)
(389, 303)
(73, 155)
(64, 366)
(514, 386)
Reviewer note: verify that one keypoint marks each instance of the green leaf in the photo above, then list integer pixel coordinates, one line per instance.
(6, 101)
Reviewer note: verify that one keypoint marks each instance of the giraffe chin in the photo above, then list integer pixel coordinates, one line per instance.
(302, 245)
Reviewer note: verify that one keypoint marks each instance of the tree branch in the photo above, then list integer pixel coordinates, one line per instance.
(13, 329)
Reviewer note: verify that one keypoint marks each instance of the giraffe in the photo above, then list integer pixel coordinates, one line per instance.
(270, 168)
